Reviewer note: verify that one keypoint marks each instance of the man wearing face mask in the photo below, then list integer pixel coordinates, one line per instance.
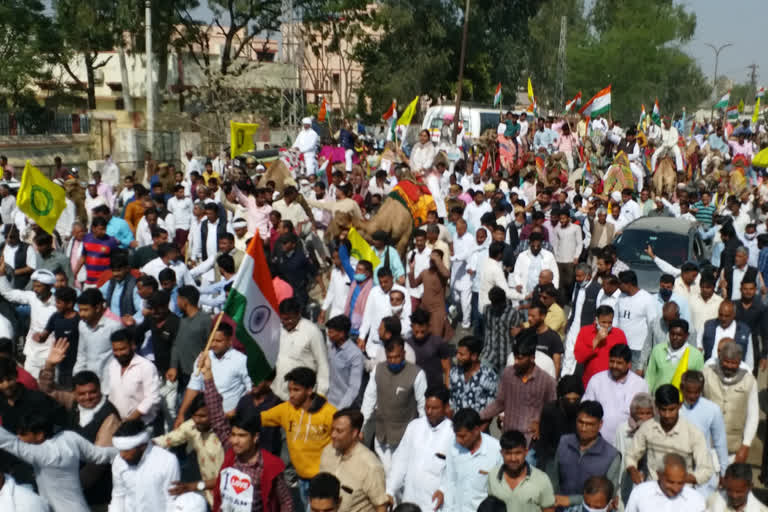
(584, 304)
(735, 390)
(396, 392)
(377, 307)
(558, 418)
(666, 295)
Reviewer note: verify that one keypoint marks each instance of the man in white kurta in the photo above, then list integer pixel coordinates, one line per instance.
(420, 458)
(669, 138)
(306, 142)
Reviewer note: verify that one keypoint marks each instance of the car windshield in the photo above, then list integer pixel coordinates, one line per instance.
(671, 247)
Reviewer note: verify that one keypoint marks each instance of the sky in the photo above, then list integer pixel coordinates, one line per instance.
(741, 23)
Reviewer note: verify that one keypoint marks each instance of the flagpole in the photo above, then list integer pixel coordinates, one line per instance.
(210, 338)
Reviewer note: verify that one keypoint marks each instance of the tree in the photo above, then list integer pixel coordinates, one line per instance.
(26, 35)
(329, 32)
(416, 47)
(635, 45)
(87, 28)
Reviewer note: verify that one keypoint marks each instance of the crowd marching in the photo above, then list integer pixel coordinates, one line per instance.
(497, 356)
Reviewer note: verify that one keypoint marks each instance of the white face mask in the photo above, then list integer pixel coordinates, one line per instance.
(750, 236)
(586, 508)
(396, 310)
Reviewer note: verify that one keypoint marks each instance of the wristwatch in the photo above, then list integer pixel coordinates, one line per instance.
(200, 486)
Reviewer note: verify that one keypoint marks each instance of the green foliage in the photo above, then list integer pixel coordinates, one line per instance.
(418, 46)
(744, 92)
(634, 45)
(25, 36)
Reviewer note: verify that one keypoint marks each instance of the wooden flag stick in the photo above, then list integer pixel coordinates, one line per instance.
(210, 339)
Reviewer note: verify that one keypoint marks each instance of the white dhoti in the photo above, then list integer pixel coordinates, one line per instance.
(348, 160)
(310, 161)
(637, 172)
(674, 149)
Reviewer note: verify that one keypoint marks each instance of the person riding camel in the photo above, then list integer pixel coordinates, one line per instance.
(669, 139)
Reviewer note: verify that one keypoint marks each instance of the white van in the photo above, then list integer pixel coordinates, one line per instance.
(474, 120)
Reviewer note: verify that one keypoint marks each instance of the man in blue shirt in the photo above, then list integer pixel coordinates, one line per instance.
(116, 227)
(717, 142)
(707, 416)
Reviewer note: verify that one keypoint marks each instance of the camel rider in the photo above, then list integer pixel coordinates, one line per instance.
(545, 137)
(632, 149)
(717, 142)
(306, 143)
(654, 134)
(669, 138)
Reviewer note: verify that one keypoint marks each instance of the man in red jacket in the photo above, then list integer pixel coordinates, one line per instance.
(247, 469)
(594, 343)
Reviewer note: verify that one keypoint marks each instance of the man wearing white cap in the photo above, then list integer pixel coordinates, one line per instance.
(143, 476)
(306, 142)
(42, 305)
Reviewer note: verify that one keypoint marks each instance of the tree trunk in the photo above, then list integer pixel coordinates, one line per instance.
(162, 68)
(126, 85)
(226, 59)
(91, 81)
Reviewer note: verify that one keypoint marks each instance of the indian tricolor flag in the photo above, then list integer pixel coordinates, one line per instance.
(571, 104)
(761, 92)
(497, 97)
(723, 103)
(252, 305)
(390, 116)
(642, 116)
(598, 105)
(656, 114)
(732, 112)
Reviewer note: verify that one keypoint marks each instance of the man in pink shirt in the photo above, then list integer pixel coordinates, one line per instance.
(133, 381)
(256, 210)
(741, 147)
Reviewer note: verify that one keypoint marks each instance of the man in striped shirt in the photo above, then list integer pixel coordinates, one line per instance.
(704, 210)
(98, 248)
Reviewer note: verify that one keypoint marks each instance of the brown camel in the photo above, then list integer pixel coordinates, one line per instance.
(392, 218)
(76, 193)
(665, 177)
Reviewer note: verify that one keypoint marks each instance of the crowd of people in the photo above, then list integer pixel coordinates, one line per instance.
(508, 360)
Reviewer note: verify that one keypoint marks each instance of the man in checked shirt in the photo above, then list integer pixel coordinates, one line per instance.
(250, 478)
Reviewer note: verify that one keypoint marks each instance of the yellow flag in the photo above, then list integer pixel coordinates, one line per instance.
(756, 113)
(405, 118)
(682, 367)
(39, 198)
(761, 159)
(741, 106)
(530, 89)
(360, 248)
(241, 137)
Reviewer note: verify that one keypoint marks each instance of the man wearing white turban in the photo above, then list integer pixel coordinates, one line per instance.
(306, 142)
(42, 305)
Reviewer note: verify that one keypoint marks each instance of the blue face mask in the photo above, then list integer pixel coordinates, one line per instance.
(360, 277)
(665, 294)
(396, 368)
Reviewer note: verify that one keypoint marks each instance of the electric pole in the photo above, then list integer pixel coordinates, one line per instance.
(457, 112)
(561, 66)
(150, 89)
(753, 77)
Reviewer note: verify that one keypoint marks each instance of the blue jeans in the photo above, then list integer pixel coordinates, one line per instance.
(304, 492)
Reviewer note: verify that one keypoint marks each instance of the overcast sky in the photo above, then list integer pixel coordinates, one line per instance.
(742, 23)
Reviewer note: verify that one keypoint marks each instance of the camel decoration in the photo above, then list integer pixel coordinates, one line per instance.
(404, 208)
(619, 175)
(692, 159)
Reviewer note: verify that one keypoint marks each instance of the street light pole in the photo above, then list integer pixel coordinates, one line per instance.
(150, 89)
(714, 79)
(457, 112)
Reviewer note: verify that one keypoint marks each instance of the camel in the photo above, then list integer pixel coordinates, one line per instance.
(76, 193)
(393, 218)
(551, 172)
(665, 177)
